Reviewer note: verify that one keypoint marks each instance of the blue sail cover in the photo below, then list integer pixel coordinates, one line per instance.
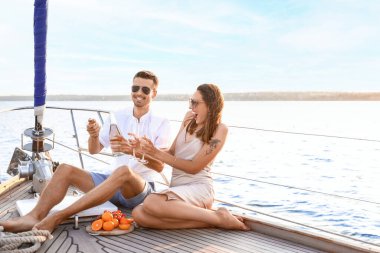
(40, 30)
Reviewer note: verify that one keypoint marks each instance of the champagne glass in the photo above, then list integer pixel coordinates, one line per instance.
(140, 131)
(132, 138)
(114, 133)
(142, 159)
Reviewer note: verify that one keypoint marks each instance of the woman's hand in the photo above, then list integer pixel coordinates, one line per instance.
(147, 146)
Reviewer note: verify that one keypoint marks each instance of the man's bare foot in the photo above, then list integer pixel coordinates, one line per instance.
(49, 223)
(19, 224)
(228, 221)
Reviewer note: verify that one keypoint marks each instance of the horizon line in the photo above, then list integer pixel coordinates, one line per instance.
(236, 96)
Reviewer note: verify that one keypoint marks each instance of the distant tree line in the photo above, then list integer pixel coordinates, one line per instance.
(246, 96)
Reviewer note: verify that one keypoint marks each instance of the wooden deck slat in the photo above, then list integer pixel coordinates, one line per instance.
(216, 240)
(73, 249)
(109, 247)
(196, 234)
(192, 241)
(162, 240)
(109, 242)
(199, 239)
(66, 244)
(193, 245)
(85, 242)
(151, 245)
(142, 245)
(182, 243)
(165, 244)
(218, 247)
(255, 238)
(277, 241)
(50, 245)
(14, 193)
(231, 240)
(57, 241)
(114, 250)
(268, 241)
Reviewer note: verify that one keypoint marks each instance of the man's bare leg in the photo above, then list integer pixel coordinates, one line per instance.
(122, 178)
(54, 192)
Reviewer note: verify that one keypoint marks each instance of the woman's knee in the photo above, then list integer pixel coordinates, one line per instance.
(152, 204)
(137, 214)
(140, 216)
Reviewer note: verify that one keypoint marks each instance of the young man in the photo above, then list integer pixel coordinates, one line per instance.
(127, 185)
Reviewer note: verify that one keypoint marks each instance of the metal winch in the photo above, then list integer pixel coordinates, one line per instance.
(38, 166)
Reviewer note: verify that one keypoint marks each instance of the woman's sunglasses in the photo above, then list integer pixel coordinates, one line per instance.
(194, 103)
(145, 90)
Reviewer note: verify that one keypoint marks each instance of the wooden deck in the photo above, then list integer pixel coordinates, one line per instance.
(67, 239)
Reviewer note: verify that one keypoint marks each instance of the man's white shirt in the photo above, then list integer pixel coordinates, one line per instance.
(156, 128)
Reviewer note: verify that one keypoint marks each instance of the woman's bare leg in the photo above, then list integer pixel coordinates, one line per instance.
(156, 209)
(146, 220)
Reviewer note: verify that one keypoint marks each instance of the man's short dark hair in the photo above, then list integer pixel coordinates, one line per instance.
(145, 74)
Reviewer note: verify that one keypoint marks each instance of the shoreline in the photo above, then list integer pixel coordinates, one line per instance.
(248, 96)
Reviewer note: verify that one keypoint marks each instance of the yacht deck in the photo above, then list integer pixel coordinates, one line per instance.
(67, 239)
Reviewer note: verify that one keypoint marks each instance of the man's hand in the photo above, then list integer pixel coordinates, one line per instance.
(93, 128)
(120, 144)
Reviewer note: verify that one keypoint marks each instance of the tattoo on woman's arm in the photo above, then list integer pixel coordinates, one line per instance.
(212, 144)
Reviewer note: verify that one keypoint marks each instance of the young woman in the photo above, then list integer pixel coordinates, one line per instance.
(187, 201)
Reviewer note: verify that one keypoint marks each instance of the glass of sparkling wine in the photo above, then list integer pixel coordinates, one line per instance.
(140, 131)
(114, 133)
(142, 159)
(133, 137)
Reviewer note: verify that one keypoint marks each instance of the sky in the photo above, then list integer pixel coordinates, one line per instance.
(95, 47)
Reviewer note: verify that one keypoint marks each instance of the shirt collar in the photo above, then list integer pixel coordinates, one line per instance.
(143, 118)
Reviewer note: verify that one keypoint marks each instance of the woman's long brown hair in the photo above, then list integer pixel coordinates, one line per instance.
(214, 100)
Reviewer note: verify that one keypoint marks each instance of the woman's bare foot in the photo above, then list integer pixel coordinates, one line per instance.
(228, 221)
(49, 223)
(19, 224)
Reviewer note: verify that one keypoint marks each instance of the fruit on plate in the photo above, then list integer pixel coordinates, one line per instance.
(115, 222)
(107, 216)
(108, 225)
(124, 226)
(125, 220)
(97, 225)
(111, 220)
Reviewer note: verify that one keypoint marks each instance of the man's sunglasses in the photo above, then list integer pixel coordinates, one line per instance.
(145, 90)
